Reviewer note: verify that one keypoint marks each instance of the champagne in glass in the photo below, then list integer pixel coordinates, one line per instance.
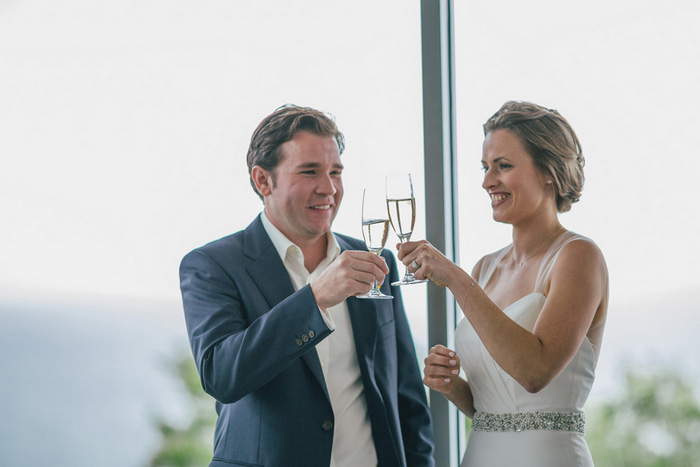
(375, 233)
(402, 214)
(375, 230)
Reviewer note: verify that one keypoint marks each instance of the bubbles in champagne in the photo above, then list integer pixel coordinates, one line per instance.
(375, 233)
(402, 214)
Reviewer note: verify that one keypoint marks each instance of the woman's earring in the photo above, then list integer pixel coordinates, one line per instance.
(549, 182)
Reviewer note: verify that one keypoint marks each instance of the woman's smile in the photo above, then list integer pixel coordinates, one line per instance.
(498, 198)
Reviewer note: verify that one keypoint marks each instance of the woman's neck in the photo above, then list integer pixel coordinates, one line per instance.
(530, 239)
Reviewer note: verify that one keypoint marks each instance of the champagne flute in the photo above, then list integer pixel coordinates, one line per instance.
(375, 230)
(402, 214)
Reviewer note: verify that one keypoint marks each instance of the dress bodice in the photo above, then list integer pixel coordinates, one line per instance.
(494, 390)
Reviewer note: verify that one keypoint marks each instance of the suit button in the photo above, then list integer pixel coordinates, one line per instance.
(299, 342)
(327, 425)
(311, 333)
(305, 338)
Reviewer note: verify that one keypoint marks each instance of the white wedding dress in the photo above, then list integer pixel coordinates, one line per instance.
(512, 427)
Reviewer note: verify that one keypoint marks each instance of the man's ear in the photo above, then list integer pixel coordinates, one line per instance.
(262, 179)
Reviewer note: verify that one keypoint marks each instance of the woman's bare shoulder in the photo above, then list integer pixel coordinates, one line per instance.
(579, 255)
(486, 260)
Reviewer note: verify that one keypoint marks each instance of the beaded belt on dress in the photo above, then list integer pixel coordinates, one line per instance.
(562, 421)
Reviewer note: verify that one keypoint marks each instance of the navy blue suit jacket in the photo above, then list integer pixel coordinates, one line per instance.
(253, 339)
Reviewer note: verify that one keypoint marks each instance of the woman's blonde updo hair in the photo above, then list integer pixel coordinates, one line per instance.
(550, 141)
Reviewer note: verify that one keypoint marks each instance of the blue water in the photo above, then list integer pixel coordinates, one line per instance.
(82, 385)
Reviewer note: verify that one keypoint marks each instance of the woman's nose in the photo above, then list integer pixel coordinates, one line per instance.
(489, 180)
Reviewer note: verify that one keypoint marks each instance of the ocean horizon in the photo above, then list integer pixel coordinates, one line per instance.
(83, 383)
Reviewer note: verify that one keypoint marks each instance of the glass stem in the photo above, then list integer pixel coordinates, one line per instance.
(407, 275)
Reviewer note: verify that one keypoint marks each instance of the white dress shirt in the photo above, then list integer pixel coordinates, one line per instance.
(353, 444)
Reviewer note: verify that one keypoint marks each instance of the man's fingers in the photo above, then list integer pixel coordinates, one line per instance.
(366, 277)
(364, 262)
(357, 269)
(353, 273)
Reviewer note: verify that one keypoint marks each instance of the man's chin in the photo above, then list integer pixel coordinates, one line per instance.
(321, 222)
(322, 230)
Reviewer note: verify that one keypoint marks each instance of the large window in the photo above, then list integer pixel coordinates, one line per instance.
(124, 130)
(625, 75)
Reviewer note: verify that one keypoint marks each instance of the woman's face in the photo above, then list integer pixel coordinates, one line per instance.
(519, 192)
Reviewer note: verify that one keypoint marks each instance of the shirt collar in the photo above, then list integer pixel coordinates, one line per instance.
(282, 244)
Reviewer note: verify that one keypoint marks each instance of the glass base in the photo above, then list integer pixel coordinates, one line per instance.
(414, 281)
(376, 294)
(409, 279)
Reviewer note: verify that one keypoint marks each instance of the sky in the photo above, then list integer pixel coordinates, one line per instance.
(124, 128)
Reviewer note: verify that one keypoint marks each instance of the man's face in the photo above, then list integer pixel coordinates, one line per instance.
(307, 190)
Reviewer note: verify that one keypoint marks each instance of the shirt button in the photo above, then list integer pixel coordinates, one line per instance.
(327, 425)
(305, 338)
(299, 342)
(311, 333)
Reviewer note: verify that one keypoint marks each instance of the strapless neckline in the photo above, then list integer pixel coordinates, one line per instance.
(505, 310)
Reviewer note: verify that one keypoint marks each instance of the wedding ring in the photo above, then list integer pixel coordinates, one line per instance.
(414, 264)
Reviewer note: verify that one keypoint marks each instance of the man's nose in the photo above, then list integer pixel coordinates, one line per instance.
(326, 186)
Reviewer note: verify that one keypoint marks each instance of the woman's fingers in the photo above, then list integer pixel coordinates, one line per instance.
(426, 262)
(441, 366)
(410, 249)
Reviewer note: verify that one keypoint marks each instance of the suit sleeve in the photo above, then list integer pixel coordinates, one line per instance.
(416, 422)
(235, 350)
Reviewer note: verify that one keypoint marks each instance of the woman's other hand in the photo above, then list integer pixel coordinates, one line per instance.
(441, 369)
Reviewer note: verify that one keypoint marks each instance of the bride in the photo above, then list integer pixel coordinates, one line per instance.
(535, 310)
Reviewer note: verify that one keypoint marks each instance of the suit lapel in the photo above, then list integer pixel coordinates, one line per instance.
(272, 279)
(363, 316)
(266, 268)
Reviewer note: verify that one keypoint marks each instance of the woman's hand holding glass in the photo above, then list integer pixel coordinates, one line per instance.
(401, 204)
(426, 262)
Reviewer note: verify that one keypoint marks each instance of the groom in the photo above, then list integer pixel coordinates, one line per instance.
(303, 372)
